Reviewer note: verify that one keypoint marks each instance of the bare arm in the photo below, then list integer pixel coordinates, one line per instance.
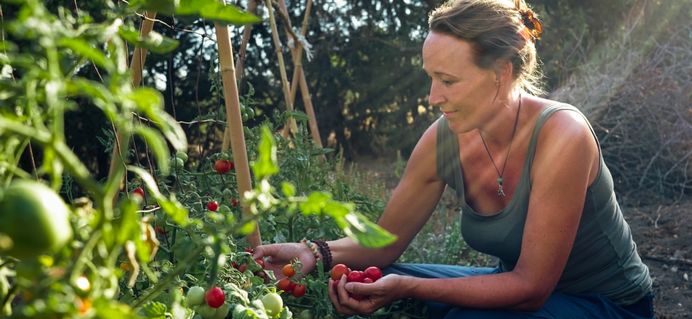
(410, 206)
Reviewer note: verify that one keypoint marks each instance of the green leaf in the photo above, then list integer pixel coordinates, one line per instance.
(216, 10)
(363, 231)
(127, 227)
(158, 146)
(154, 309)
(147, 99)
(266, 165)
(298, 115)
(84, 49)
(315, 202)
(153, 41)
(288, 189)
(166, 7)
(247, 228)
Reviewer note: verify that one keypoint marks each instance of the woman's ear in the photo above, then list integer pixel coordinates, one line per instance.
(503, 73)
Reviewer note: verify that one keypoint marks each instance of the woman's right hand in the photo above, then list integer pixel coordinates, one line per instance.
(278, 255)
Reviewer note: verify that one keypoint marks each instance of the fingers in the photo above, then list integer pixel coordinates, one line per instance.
(335, 290)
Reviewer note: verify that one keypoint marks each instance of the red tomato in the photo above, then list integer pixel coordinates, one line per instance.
(285, 284)
(298, 291)
(234, 202)
(138, 191)
(338, 270)
(373, 273)
(260, 262)
(242, 267)
(355, 276)
(215, 297)
(213, 206)
(222, 166)
(288, 270)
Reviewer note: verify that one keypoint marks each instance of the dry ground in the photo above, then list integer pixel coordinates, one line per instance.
(663, 235)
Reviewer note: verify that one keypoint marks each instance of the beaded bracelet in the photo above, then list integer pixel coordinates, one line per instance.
(326, 254)
(320, 249)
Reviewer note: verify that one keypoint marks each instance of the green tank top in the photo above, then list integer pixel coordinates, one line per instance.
(604, 257)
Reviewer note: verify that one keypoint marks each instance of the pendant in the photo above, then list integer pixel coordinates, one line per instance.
(500, 190)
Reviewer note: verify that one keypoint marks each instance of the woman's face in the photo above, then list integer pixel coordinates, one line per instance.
(464, 92)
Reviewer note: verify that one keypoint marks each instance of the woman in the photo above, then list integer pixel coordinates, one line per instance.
(535, 190)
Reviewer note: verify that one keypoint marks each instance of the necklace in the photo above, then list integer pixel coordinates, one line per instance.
(500, 190)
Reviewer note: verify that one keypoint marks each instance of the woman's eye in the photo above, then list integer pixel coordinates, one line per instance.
(447, 83)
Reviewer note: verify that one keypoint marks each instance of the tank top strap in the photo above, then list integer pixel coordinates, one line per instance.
(543, 117)
(447, 157)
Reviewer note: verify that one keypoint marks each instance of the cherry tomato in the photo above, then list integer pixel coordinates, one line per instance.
(215, 297)
(288, 270)
(373, 273)
(222, 166)
(273, 304)
(138, 191)
(260, 262)
(285, 284)
(338, 270)
(298, 290)
(195, 296)
(234, 202)
(242, 267)
(213, 206)
(355, 276)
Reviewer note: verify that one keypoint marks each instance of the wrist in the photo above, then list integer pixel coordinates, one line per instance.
(320, 251)
(407, 286)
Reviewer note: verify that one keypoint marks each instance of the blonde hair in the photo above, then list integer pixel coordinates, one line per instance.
(497, 31)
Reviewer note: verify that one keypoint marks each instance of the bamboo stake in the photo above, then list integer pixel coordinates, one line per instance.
(240, 67)
(291, 125)
(299, 75)
(138, 57)
(235, 122)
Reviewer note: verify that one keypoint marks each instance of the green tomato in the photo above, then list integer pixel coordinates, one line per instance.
(181, 155)
(222, 311)
(206, 312)
(35, 218)
(195, 296)
(305, 314)
(179, 163)
(273, 304)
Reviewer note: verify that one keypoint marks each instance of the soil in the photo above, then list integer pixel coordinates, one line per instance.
(663, 234)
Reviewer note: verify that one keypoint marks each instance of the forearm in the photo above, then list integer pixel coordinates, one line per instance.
(346, 251)
(497, 291)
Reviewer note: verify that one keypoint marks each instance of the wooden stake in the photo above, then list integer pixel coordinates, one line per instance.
(291, 125)
(299, 75)
(138, 58)
(240, 67)
(235, 122)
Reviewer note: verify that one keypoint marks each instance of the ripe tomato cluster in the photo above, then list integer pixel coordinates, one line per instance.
(223, 166)
(209, 304)
(367, 276)
(288, 285)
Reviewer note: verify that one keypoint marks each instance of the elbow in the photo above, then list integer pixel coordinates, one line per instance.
(535, 300)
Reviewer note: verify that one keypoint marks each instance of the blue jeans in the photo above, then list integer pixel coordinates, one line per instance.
(559, 305)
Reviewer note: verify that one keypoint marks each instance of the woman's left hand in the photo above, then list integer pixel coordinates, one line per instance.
(364, 298)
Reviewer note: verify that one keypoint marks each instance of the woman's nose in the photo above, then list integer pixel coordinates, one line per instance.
(434, 97)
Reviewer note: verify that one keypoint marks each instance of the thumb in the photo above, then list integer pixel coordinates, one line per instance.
(265, 251)
(359, 288)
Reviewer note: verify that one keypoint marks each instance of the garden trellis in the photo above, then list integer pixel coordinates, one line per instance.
(233, 134)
